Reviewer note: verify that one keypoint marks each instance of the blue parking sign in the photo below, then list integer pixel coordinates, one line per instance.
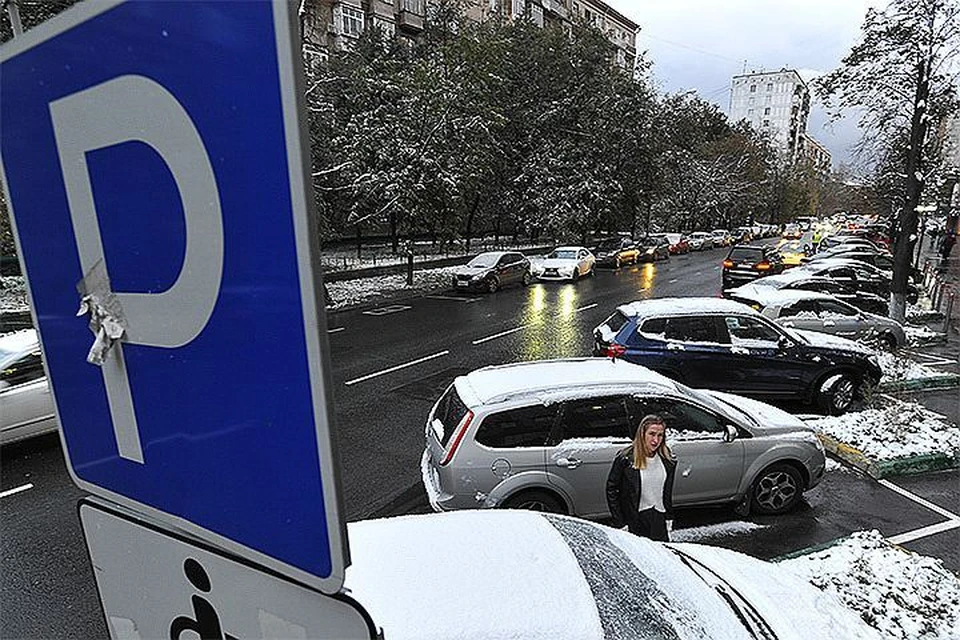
(153, 160)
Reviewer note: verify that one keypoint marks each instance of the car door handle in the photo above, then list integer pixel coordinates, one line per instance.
(569, 463)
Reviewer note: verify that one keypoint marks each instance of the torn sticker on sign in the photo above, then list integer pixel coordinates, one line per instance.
(107, 322)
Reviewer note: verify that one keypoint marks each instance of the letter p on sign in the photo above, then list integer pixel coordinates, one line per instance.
(87, 121)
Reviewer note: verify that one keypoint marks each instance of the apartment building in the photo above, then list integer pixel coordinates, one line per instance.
(332, 24)
(817, 155)
(776, 102)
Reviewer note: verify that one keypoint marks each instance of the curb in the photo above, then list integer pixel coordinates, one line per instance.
(808, 550)
(943, 381)
(878, 469)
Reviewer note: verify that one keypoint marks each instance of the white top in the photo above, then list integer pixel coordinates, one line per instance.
(652, 480)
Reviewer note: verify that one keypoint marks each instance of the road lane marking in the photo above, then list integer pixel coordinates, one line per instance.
(336, 330)
(382, 311)
(20, 489)
(589, 306)
(916, 534)
(919, 500)
(672, 281)
(396, 368)
(933, 360)
(500, 335)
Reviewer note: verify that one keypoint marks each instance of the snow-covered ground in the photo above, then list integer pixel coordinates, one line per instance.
(897, 368)
(13, 294)
(901, 594)
(896, 430)
(919, 336)
(361, 290)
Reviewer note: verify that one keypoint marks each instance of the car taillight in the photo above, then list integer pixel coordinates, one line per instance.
(762, 266)
(728, 264)
(458, 436)
(614, 350)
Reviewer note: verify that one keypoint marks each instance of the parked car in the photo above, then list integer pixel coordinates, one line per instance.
(724, 345)
(565, 263)
(614, 252)
(742, 235)
(801, 280)
(882, 261)
(518, 574)
(700, 241)
(831, 242)
(859, 275)
(814, 311)
(792, 232)
(721, 238)
(492, 270)
(678, 243)
(654, 247)
(745, 263)
(542, 435)
(26, 406)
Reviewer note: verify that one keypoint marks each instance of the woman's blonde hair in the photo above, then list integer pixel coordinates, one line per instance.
(639, 443)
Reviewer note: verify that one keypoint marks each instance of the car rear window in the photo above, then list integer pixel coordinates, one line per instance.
(746, 254)
(449, 413)
(526, 427)
(612, 325)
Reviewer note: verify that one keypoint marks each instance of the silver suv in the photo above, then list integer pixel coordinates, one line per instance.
(542, 435)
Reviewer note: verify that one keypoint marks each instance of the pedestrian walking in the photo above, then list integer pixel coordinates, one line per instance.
(640, 483)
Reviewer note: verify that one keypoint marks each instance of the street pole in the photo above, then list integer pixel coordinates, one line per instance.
(14, 14)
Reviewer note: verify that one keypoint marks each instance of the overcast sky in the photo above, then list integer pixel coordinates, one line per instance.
(702, 44)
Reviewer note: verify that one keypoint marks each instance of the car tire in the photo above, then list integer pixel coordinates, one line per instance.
(776, 490)
(527, 278)
(535, 500)
(616, 263)
(492, 285)
(839, 397)
(888, 341)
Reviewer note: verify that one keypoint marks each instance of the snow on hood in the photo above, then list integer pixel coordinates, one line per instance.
(554, 263)
(830, 341)
(468, 270)
(794, 608)
(769, 417)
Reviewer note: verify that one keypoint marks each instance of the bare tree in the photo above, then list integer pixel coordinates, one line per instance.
(899, 78)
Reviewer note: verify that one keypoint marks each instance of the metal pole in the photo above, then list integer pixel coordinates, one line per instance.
(14, 13)
(949, 311)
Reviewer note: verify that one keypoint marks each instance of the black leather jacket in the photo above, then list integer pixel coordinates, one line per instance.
(623, 489)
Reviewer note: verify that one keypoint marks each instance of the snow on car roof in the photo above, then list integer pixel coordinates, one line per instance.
(493, 384)
(570, 248)
(682, 306)
(18, 340)
(772, 295)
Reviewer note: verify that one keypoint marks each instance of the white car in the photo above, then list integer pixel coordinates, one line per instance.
(26, 406)
(520, 574)
(565, 263)
(700, 240)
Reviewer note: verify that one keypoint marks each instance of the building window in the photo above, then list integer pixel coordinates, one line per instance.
(349, 20)
(752, 100)
(766, 123)
(769, 87)
(766, 111)
(753, 88)
(750, 112)
(413, 6)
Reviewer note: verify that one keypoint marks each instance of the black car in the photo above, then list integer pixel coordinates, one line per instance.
(614, 252)
(859, 275)
(724, 345)
(746, 263)
(797, 280)
(492, 270)
(654, 247)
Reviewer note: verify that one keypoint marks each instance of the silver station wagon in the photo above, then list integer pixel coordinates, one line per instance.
(542, 435)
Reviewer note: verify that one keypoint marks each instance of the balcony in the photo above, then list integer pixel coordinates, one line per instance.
(556, 7)
(410, 15)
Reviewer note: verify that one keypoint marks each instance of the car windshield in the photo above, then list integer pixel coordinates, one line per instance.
(609, 245)
(674, 238)
(563, 254)
(484, 261)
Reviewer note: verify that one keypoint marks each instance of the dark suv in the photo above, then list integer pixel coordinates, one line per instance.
(745, 263)
(724, 345)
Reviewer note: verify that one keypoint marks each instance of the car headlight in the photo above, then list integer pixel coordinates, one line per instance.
(478, 276)
(565, 271)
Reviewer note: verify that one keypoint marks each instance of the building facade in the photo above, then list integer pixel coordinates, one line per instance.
(816, 155)
(329, 25)
(774, 102)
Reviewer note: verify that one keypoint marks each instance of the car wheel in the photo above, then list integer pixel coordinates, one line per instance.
(777, 489)
(575, 276)
(837, 398)
(888, 341)
(535, 501)
(492, 285)
(527, 278)
(617, 263)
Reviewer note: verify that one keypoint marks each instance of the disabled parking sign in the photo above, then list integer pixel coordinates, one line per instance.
(153, 159)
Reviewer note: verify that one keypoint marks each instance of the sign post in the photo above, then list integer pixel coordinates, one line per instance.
(155, 163)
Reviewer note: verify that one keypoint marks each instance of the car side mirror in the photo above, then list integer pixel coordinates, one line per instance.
(729, 433)
(784, 342)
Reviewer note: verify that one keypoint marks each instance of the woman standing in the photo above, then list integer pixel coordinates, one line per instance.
(640, 484)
